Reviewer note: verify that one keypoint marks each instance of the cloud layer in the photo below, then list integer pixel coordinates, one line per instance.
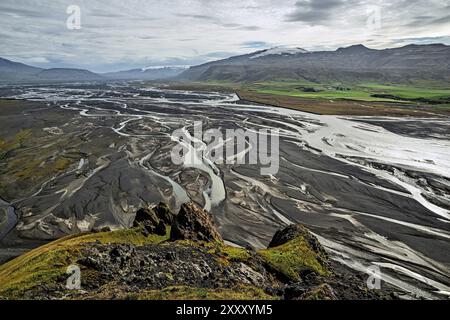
(126, 34)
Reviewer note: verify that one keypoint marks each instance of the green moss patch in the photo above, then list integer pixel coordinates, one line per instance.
(293, 258)
(133, 236)
(235, 254)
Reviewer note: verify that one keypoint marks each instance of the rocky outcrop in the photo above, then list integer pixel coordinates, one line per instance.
(294, 231)
(320, 292)
(164, 213)
(291, 232)
(154, 220)
(131, 264)
(191, 223)
(148, 219)
(194, 223)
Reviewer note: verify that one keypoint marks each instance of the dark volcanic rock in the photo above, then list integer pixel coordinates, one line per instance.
(164, 213)
(159, 266)
(321, 292)
(299, 291)
(150, 221)
(154, 220)
(102, 229)
(284, 235)
(194, 223)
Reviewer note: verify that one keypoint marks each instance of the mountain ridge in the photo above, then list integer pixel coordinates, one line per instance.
(145, 73)
(345, 64)
(353, 63)
(16, 72)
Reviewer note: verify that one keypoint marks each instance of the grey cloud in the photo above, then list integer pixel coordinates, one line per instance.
(21, 12)
(421, 21)
(187, 39)
(216, 21)
(315, 11)
(254, 44)
(442, 20)
(231, 25)
(251, 28)
(196, 16)
(148, 38)
(219, 54)
(117, 34)
(240, 26)
(107, 15)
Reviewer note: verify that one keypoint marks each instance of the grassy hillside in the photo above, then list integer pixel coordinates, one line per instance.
(48, 264)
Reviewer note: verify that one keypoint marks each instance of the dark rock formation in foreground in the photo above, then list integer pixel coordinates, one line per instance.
(194, 223)
(167, 256)
(150, 221)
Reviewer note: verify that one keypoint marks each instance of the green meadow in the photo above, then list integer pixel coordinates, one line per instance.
(421, 93)
(409, 92)
(360, 92)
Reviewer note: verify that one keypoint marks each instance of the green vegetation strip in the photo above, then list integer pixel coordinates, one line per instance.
(48, 263)
(432, 91)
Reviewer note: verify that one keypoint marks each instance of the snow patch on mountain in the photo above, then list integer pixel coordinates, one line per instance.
(173, 67)
(279, 51)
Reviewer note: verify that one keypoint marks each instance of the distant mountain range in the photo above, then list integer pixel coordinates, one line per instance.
(18, 72)
(354, 63)
(15, 72)
(153, 73)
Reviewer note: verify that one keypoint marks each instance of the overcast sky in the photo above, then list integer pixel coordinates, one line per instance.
(119, 34)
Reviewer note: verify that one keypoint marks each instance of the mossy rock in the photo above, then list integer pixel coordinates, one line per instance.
(191, 293)
(148, 219)
(228, 254)
(321, 292)
(235, 253)
(294, 252)
(194, 223)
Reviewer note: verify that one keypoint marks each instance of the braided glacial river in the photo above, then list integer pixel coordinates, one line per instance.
(373, 197)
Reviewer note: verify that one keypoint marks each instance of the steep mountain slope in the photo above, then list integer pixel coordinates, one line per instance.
(354, 63)
(13, 72)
